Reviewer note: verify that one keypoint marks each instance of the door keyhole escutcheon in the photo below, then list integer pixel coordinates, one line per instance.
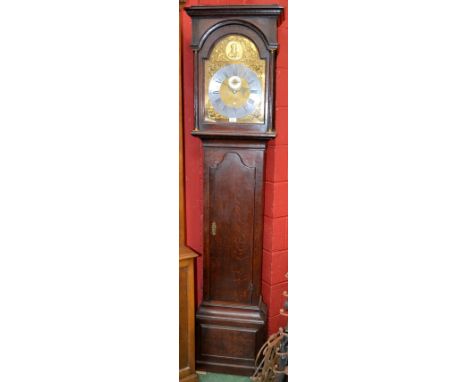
(213, 229)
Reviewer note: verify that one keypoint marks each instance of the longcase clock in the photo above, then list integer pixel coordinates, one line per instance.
(234, 60)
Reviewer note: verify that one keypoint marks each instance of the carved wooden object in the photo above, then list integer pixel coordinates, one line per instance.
(230, 323)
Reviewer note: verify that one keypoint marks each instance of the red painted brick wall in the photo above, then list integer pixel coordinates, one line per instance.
(275, 241)
(193, 155)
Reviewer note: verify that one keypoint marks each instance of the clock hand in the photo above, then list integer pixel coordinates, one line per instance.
(234, 83)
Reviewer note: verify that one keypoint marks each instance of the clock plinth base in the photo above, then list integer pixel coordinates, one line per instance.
(229, 337)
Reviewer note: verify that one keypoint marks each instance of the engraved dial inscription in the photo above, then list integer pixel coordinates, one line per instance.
(235, 91)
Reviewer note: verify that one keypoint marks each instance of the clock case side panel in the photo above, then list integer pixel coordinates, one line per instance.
(262, 32)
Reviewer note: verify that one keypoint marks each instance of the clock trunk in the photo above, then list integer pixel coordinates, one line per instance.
(231, 320)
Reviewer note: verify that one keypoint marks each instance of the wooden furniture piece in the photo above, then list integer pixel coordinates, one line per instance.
(186, 272)
(186, 316)
(234, 60)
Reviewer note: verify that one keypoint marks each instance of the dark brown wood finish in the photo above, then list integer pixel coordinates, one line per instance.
(230, 323)
(209, 24)
(233, 200)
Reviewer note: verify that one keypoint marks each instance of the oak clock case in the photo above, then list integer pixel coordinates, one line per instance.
(234, 62)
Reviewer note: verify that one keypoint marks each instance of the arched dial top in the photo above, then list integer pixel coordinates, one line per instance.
(234, 82)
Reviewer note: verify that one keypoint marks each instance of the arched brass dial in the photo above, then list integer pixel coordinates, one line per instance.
(234, 82)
